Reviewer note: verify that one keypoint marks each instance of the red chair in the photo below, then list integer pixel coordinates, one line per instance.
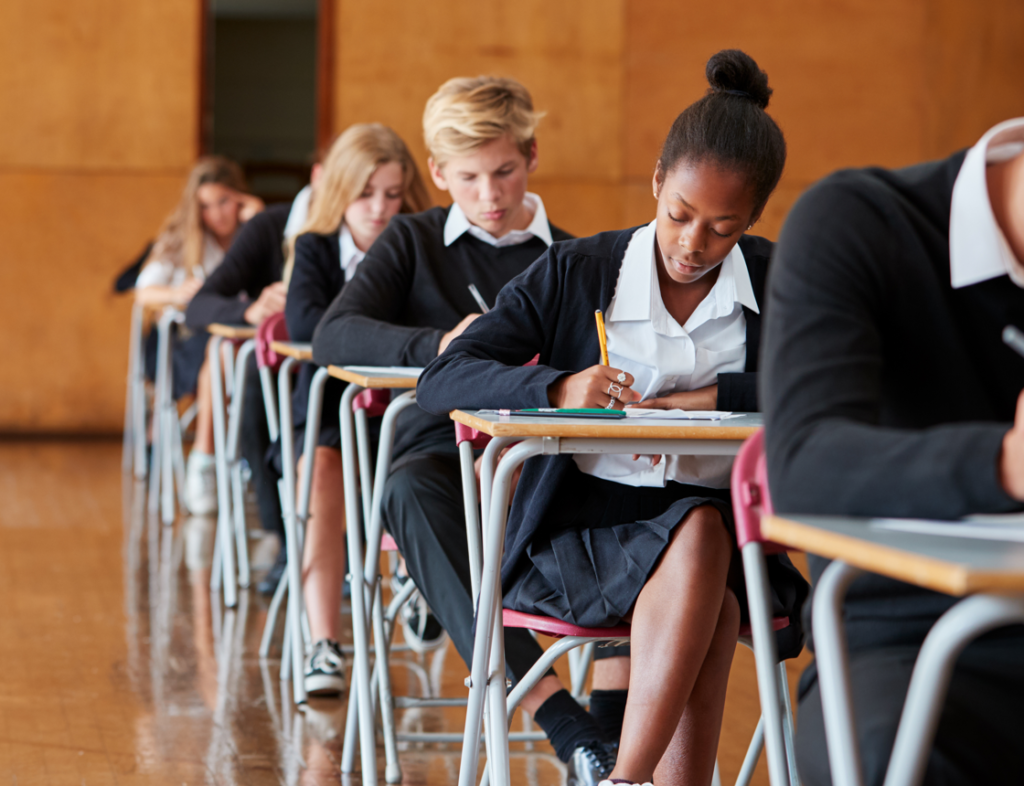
(751, 500)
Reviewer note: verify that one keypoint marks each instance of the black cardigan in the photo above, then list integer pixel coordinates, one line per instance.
(254, 262)
(317, 278)
(550, 310)
(886, 392)
(408, 291)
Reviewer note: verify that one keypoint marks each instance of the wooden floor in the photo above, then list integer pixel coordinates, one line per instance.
(116, 668)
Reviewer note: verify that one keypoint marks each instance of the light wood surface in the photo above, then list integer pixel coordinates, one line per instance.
(231, 331)
(144, 696)
(293, 349)
(497, 426)
(956, 566)
(383, 378)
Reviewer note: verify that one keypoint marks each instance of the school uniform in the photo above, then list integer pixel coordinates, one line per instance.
(323, 265)
(887, 392)
(585, 532)
(254, 262)
(188, 347)
(410, 290)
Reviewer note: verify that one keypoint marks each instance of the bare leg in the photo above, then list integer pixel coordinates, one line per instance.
(673, 624)
(690, 757)
(323, 558)
(611, 673)
(204, 411)
(542, 691)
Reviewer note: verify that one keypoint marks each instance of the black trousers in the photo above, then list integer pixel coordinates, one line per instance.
(254, 439)
(980, 737)
(424, 512)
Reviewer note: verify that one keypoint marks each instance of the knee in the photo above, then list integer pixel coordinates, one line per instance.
(703, 532)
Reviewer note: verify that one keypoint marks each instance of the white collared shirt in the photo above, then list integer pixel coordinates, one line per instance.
(457, 224)
(163, 272)
(350, 254)
(298, 213)
(665, 357)
(978, 250)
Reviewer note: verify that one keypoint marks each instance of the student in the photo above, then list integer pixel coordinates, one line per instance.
(890, 393)
(598, 539)
(410, 299)
(368, 178)
(246, 288)
(191, 245)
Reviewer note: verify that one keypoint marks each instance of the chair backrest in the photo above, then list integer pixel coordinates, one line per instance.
(271, 329)
(374, 401)
(750, 496)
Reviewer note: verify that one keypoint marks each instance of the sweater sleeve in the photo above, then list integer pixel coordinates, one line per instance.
(244, 270)
(484, 367)
(828, 451)
(311, 286)
(363, 324)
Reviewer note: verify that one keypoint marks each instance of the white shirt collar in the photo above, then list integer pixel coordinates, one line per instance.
(457, 224)
(638, 279)
(978, 249)
(297, 215)
(350, 254)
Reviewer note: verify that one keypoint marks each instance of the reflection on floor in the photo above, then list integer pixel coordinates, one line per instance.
(116, 667)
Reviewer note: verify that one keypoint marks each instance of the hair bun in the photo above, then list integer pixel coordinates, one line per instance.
(735, 73)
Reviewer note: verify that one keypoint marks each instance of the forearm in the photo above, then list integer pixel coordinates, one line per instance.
(355, 339)
(457, 380)
(158, 295)
(208, 308)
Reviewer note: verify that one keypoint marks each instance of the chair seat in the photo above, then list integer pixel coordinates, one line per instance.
(549, 626)
(387, 543)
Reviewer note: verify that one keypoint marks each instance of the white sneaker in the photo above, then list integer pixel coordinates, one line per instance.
(201, 484)
(325, 669)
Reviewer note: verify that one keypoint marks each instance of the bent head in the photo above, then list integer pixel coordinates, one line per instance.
(721, 161)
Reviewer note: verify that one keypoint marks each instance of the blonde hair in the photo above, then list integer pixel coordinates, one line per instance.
(347, 168)
(467, 112)
(182, 236)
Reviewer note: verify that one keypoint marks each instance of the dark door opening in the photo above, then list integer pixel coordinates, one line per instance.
(261, 91)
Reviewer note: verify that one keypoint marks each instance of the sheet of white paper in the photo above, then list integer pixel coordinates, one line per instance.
(1012, 531)
(386, 371)
(678, 414)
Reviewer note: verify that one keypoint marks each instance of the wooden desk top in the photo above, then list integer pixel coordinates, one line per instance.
(380, 377)
(293, 349)
(231, 331)
(953, 565)
(738, 428)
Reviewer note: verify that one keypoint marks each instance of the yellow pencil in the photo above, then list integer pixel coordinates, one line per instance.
(602, 337)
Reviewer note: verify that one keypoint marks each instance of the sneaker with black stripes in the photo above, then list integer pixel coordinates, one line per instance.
(325, 669)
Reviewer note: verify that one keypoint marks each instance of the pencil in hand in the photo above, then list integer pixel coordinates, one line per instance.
(602, 337)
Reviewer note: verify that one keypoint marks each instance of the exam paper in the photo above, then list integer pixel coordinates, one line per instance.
(1010, 529)
(678, 414)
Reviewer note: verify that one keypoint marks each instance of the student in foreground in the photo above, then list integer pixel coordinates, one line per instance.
(368, 178)
(599, 539)
(888, 392)
(408, 300)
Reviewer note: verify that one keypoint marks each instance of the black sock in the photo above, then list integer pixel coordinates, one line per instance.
(608, 707)
(567, 724)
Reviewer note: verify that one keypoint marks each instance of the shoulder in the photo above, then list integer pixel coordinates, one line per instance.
(427, 223)
(270, 221)
(557, 233)
(313, 245)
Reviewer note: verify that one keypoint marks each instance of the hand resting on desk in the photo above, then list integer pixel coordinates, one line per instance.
(592, 388)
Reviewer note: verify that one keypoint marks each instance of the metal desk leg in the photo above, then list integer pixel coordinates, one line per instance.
(235, 464)
(834, 673)
(227, 549)
(161, 390)
(929, 683)
(293, 627)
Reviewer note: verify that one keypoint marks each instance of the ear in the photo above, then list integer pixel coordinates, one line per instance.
(437, 174)
(657, 180)
(756, 217)
(533, 160)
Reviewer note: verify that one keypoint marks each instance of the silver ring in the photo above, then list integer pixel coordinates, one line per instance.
(610, 404)
(614, 390)
(622, 377)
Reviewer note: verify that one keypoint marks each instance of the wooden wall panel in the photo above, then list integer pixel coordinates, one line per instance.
(66, 333)
(392, 56)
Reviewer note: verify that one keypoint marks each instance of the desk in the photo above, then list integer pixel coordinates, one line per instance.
(990, 573)
(233, 332)
(293, 349)
(550, 436)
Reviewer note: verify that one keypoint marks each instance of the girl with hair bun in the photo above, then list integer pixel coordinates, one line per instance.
(596, 540)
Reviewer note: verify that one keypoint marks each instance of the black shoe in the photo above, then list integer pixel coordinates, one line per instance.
(591, 763)
(268, 584)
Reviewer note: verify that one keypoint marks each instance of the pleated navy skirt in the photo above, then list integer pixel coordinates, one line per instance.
(604, 539)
